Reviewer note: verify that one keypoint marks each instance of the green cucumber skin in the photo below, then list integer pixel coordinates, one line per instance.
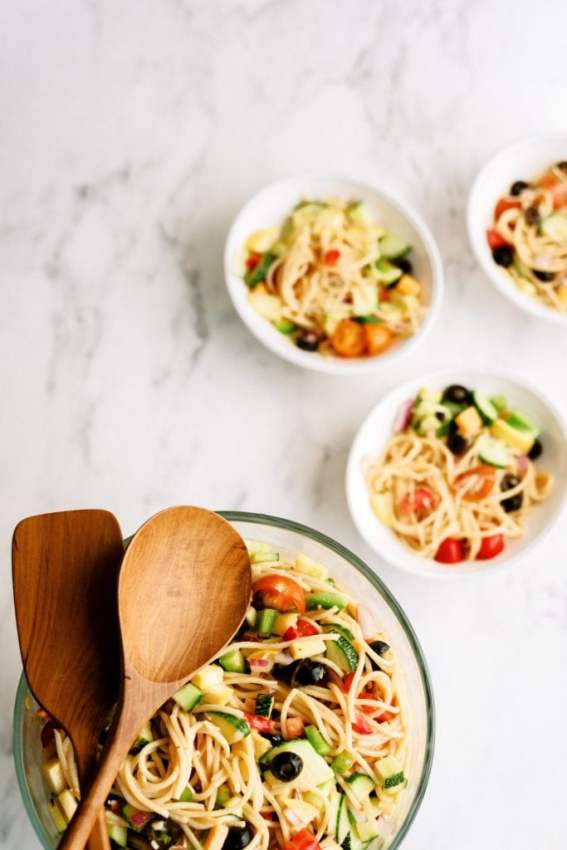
(265, 621)
(326, 599)
(255, 276)
(264, 705)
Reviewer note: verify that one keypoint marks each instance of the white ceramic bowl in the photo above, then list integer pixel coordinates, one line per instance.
(378, 429)
(521, 161)
(271, 206)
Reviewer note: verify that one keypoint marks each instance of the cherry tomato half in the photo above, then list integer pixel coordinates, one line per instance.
(491, 547)
(331, 257)
(348, 339)
(506, 204)
(378, 338)
(252, 261)
(302, 840)
(421, 502)
(450, 551)
(261, 724)
(279, 592)
(495, 240)
(479, 482)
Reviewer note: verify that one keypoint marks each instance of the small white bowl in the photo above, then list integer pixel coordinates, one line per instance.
(271, 206)
(378, 428)
(521, 161)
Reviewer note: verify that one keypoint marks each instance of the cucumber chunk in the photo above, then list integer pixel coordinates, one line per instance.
(264, 704)
(233, 728)
(488, 412)
(499, 402)
(317, 741)
(255, 276)
(493, 452)
(361, 786)
(338, 629)
(555, 226)
(342, 826)
(393, 246)
(266, 621)
(233, 661)
(342, 653)
(284, 326)
(188, 697)
(390, 771)
(315, 769)
(186, 795)
(342, 763)
(522, 423)
(118, 834)
(327, 599)
(386, 272)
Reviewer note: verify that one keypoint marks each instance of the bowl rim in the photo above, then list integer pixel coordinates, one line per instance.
(506, 287)
(337, 366)
(439, 376)
(378, 584)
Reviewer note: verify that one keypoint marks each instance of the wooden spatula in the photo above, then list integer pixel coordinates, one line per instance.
(183, 592)
(65, 573)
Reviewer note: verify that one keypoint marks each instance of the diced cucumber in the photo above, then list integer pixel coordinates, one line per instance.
(327, 599)
(369, 320)
(284, 326)
(499, 402)
(307, 648)
(522, 423)
(265, 621)
(264, 557)
(256, 275)
(233, 728)
(342, 825)
(365, 298)
(118, 834)
(188, 697)
(342, 763)
(493, 452)
(358, 212)
(233, 661)
(316, 740)
(136, 818)
(522, 441)
(186, 795)
(390, 771)
(223, 796)
(386, 272)
(315, 769)
(366, 829)
(485, 407)
(393, 246)
(520, 267)
(208, 677)
(59, 819)
(338, 629)
(361, 786)
(555, 226)
(309, 206)
(342, 653)
(264, 704)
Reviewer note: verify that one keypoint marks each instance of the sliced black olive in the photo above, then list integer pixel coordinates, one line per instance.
(562, 165)
(275, 740)
(514, 503)
(380, 647)
(301, 673)
(532, 216)
(286, 766)
(518, 187)
(404, 264)
(545, 277)
(536, 450)
(503, 255)
(457, 394)
(238, 837)
(456, 443)
(307, 341)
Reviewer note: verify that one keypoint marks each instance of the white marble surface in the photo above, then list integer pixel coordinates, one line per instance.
(130, 133)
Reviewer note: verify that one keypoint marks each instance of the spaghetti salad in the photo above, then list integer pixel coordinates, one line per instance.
(459, 477)
(295, 737)
(334, 281)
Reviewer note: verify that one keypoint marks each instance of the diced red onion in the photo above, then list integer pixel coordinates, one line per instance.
(283, 658)
(258, 664)
(404, 416)
(522, 463)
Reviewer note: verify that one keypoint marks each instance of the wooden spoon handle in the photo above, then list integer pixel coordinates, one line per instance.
(98, 839)
(77, 833)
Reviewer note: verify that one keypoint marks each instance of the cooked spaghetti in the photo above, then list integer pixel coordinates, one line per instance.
(296, 737)
(334, 281)
(459, 478)
(529, 236)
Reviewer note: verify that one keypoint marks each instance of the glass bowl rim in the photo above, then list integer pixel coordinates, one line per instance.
(378, 584)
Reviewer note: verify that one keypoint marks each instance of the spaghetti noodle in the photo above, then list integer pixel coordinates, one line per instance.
(459, 478)
(333, 281)
(296, 737)
(529, 236)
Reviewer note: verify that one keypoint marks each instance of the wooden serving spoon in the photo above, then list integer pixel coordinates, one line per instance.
(65, 570)
(183, 591)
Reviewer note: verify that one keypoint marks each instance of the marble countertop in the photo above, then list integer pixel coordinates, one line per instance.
(131, 132)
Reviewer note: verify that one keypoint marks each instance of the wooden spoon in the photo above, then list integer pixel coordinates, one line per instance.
(183, 591)
(65, 571)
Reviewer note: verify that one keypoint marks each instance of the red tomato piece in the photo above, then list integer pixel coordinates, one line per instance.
(48, 734)
(260, 724)
(306, 628)
(483, 480)
(279, 592)
(506, 204)
(302, 840)
(347, 682)
(495, 240)
(559, 194)
(491, 547)
(267, 815)
(290, 634)
(421, 502)
(450, 551)
(385, 295)
(331, 257)
(252, 261)
(385, 717)
(362, 726)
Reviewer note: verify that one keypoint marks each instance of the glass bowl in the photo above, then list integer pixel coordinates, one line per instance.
(364, 585)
